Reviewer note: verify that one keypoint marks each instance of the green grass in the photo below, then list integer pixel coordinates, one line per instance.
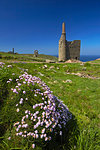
(26, 57)
(82, 97)
(95, 61)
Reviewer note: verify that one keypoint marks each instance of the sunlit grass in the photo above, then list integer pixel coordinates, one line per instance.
(82, 96)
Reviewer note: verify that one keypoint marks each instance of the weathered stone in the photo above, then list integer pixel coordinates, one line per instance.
(68, 80)
(58, 68)
(49, 61)
(73, 61)
(55, 81)
(13, 50)
(36, 53)
(83, 75)
(45, 67)
(68, 49)
(40, 74)
(52, 67)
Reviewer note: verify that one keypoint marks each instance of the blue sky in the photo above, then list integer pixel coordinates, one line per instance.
(27, 25)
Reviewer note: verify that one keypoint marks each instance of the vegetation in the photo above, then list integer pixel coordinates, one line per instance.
(26, 57)
(95, 61)
(80, 94)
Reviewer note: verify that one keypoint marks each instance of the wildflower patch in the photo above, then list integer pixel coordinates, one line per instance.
(40, 115)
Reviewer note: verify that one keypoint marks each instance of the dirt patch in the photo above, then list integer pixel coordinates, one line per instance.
(73, 61)
(82, 75)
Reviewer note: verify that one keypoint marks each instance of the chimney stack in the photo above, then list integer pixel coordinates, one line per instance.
(63, 28)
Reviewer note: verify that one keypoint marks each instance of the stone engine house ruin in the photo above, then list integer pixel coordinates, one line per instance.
(68, 49)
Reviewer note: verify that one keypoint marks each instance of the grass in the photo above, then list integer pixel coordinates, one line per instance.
(95, 61)
(82, 97)
(26, 57)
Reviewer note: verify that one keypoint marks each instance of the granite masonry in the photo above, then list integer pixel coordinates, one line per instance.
(68, 49)
(36, 53)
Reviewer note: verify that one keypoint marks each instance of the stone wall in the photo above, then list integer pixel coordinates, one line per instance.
(73, 49)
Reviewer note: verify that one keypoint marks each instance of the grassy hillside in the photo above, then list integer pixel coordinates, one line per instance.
(26, 57)
(77, 85)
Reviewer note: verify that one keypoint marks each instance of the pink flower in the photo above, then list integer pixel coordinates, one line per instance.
(41, 136)
(16, 86)
(36, 131)
(9, 138)
(19, 89)
(26, 116)
(21, 102)
(16, 134)
(24, 82)
(14, 90)
(26, 111)
(36, 135)
(23, 135)
(20, 133)
(43, 130)
(34, 106)
(26, 125)
(17, 109)
(25, 131)
(60, 133)
(42, 98)
(44, 135)
(17, 129)
(19, 84)
(46, 138)
(19, 126)
(10, 79)
(37, 112)
(9, 66)
(17, 123)
(33, 146)
(24, 92)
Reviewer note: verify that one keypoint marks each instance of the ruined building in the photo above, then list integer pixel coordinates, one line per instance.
(36, 53)
(68, 49)
(11, 52)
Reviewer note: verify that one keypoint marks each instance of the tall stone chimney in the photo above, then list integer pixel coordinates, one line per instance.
(63, 27)
(13, 50)
(62, 45)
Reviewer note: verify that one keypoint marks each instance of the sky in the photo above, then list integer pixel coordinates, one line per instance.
(29, 25)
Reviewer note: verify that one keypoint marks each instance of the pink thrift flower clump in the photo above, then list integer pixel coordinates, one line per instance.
(44, 116)
(9, 66)
(2, 64)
